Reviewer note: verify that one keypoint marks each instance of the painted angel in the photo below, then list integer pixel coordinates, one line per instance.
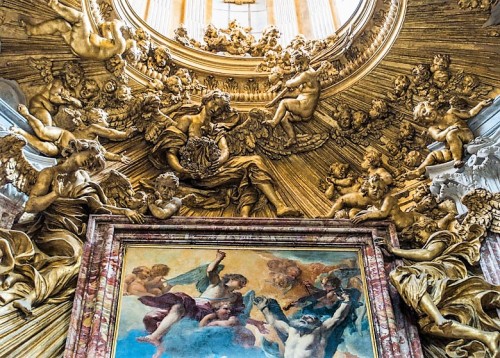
(214, 289)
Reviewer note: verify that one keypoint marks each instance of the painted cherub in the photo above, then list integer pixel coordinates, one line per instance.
(76, 30)
(145, 281)
(163, 204)
(221, 316)
(156, 283)
(134, 283)
(450, 128)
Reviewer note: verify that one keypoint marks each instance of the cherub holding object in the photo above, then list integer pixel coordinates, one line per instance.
(340, 181)
(371, 193)
(450, 128)
(157, 284)
(164, 204)
(75, 28)
(51, 140)
(298, 101)
(59, 92)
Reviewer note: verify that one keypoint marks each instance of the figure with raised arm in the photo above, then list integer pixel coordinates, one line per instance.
(173, 306)
(298, 101)
(59, 92)
(64, 196)
(371, 193)
(450, 128)
(435, 282)
(306, 336)
(51, 140)
(76, 30)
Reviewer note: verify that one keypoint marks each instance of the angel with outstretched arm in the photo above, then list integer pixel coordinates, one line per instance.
(435, 282)
(63, 196)
(51, 140)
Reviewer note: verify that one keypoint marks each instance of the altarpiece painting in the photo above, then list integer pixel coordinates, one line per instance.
(153, 290)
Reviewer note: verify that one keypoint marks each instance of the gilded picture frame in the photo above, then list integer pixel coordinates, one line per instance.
(286, 261)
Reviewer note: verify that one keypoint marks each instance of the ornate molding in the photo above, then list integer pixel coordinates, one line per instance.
(374, 29)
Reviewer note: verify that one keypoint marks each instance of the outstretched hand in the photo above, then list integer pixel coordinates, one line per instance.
(131, 131)
(260, 302)
(134, 216)
(359, 218)
(384, 244)
(61, 186)
(261, 326)
(487, 102)
(125, 159)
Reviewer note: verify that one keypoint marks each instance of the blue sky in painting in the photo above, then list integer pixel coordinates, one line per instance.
(187, 340)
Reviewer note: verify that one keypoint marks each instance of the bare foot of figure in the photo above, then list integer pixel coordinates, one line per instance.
(270, 123)
(288, 212)
(149, 339)
(413, 174)
(445, 324)
(159, 352)
(494, 344)
(24, 306)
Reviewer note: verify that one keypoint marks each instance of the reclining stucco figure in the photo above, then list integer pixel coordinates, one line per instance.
(75, 28)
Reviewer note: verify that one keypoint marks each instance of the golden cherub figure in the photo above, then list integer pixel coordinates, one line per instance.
(298, 101)
(450, 128)
(75, 29)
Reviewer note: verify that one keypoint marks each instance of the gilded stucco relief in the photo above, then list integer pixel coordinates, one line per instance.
(385, 120)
